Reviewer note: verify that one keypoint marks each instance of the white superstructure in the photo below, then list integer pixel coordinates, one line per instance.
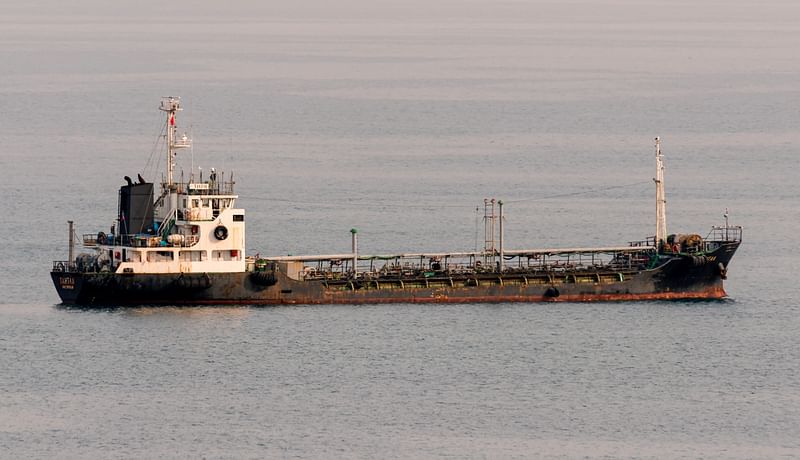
(196, 226)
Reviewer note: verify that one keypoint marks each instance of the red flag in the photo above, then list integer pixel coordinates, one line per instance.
(172, 120)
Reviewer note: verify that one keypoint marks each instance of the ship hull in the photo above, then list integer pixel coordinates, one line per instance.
(684, 277)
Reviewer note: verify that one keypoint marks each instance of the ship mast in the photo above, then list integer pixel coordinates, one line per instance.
(661, 200)
(172, 105)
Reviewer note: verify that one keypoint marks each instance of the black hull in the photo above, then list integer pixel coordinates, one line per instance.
(679, 277)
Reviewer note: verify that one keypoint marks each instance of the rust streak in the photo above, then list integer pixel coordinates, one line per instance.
(713, 293)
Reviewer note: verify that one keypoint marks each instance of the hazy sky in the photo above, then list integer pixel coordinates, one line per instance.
(645, 11)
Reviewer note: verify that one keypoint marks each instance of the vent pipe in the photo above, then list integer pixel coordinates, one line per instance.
(354, 233)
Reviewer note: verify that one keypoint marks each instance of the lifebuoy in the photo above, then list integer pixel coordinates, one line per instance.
(59, 267)
(221, 232)
(117, 255)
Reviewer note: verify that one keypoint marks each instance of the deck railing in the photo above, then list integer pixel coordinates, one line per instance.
(649, 242)
(462, 264)
(725, 234)
(91, 240)
(206, 188)
(79, 266)
(64, 266)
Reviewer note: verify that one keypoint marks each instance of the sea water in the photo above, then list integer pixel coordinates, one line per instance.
(399, 119)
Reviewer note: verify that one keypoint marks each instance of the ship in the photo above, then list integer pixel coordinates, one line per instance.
(184, 244)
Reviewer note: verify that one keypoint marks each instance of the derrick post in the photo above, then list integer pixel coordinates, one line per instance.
(661, 201)
(502, 261)
(71, 242)
(354, 233)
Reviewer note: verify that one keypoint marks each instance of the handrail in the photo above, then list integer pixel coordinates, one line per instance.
(136, 240)
(64, 266)
(205, 188)
(166, 224)
(725, 234)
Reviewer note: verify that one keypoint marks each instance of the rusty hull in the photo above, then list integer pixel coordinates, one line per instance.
(676, 278)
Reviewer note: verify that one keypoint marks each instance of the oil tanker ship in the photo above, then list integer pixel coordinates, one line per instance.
(186, 246)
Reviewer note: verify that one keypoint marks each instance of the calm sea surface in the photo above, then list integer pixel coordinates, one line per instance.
(399, 119)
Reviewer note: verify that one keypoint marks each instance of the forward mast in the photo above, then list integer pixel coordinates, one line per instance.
(661, 200)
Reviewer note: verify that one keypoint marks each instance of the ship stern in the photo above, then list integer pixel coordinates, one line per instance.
(68, 285)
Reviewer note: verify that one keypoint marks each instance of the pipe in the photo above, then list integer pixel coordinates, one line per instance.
(354, 233)
(500, 204)
(71, 242)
